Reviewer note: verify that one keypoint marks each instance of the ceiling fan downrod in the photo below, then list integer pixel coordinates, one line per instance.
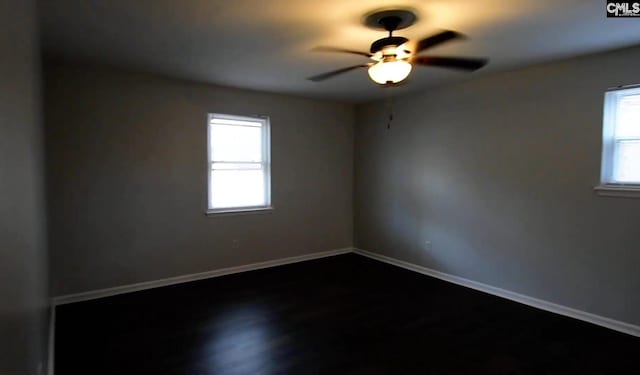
(390, 23)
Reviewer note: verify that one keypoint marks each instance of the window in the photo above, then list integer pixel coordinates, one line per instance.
(239, 163)
(620, 174)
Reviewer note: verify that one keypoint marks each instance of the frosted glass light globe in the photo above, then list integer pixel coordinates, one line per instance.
(393, 71)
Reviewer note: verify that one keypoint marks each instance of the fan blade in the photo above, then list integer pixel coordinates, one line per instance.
(436, 39)
(342, 50)
(450, 62)
(323, 76)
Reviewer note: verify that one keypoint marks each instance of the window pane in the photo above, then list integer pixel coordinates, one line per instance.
(236, 143)
(628, 117)
(236, 166)
(228, 121)
(627, 163)
(233, 188)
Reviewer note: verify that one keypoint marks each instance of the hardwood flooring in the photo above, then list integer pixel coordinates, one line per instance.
(341, 315)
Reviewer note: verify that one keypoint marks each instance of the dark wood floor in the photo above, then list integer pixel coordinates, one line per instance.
(341, 315)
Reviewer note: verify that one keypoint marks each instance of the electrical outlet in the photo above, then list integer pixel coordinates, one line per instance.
(427, 245)
(235, 244)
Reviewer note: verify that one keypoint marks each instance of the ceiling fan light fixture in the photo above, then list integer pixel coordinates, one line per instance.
(392, 71)
(393, 56)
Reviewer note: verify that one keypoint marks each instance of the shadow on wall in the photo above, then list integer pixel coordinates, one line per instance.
(442, 217)
(462, 199)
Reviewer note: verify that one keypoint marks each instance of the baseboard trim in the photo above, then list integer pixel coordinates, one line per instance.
(616, 325)
(107, 292)
(613, 324)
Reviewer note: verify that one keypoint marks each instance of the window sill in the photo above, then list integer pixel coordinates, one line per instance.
(618, 191)
(239, 211)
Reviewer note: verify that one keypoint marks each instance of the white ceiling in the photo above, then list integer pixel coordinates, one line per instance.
(265, 44)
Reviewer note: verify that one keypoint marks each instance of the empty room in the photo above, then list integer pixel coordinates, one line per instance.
(319, 187)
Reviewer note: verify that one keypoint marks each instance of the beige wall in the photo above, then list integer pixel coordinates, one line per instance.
(497, 173)
(126, 159)
(23, 276)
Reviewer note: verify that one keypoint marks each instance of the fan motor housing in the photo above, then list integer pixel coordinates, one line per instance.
(394, 41)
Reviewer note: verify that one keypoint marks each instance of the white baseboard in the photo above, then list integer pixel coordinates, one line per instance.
(100, 293)
(530, 301)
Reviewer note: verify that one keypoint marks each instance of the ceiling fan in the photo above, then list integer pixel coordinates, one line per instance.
(393, 57)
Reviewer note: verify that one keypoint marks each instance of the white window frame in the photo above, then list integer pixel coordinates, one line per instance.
(265, 164)
(608, 186)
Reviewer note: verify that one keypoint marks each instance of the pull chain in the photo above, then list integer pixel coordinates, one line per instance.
(390, 112)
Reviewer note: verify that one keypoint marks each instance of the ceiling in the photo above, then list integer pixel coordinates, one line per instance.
(265, 44)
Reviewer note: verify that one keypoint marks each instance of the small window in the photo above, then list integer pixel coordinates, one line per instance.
(621, 142)
(239, 163)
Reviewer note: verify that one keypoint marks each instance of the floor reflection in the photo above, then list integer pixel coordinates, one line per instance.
(239, 340)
